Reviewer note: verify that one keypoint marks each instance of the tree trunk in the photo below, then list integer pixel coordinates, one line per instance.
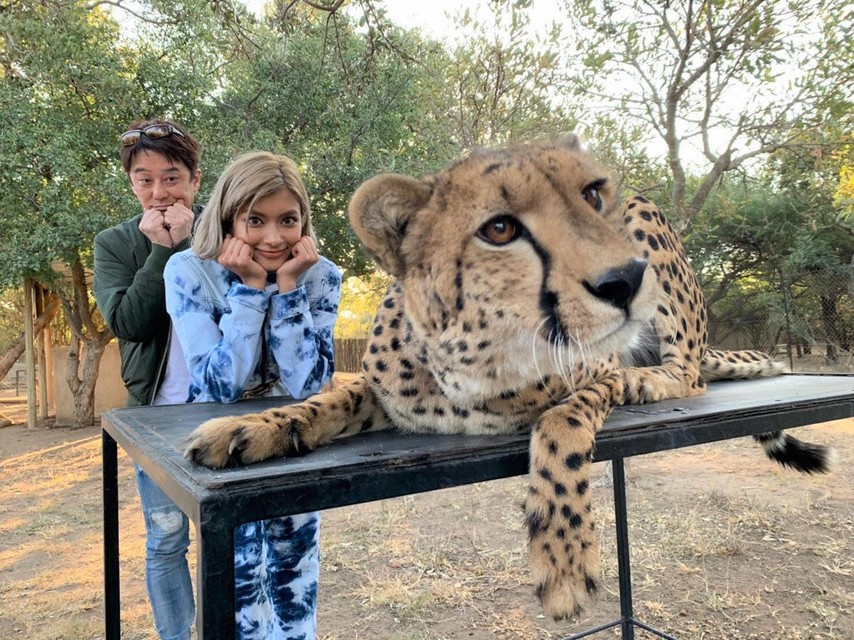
(16, 349)
(89, 339)
(82, 383)
(830, 320)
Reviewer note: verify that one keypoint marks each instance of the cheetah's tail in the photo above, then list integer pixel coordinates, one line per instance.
(738, 365)
(779, 446)
(791, 452)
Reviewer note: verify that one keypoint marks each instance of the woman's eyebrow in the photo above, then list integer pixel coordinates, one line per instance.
(289, 212)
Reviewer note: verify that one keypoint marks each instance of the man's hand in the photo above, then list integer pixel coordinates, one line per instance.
(303, 255)
(236, 256)
(179, 221)
(167, 227)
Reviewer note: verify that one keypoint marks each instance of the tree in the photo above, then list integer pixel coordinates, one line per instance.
(16, 346)
(50, 165)
(341, 101)
(735, 79)
(345, 100)
(501, 77)
(66, 80)
(360, 297)
(821, 265)
(778, 248)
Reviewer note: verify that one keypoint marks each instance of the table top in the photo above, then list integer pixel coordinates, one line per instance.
(387, 464)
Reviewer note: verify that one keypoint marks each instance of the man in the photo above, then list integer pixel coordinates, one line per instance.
(161, 161)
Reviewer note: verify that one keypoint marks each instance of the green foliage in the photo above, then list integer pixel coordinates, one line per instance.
(774, 254)
(11, 312)
(49, 164)
(348, 94)
(68, 85)
(717, 83)
(343, 103)
(500, 82)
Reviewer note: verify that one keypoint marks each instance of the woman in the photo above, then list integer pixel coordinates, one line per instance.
(254, 306)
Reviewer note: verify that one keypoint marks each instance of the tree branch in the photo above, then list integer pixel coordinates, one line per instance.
(330, 8)
(119, 5)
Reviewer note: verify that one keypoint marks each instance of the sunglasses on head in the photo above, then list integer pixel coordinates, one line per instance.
(152, 132)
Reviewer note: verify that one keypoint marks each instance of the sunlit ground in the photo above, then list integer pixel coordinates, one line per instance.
(711, 527)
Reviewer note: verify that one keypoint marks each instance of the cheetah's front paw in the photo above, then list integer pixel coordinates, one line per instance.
(237, 440)
(643, 386)
(564, 556)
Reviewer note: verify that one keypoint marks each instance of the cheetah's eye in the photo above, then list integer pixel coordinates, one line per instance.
(500, 230)
(590, 193)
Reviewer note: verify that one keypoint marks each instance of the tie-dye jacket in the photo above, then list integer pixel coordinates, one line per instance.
(238, 339)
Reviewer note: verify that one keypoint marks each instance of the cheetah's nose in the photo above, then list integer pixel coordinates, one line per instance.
(618, 286)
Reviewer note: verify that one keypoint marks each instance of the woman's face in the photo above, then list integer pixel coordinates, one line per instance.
(271, 228)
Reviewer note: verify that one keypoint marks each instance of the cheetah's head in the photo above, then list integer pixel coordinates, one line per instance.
(512, 263)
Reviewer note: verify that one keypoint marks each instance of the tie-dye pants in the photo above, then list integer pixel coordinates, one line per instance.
(276, 566)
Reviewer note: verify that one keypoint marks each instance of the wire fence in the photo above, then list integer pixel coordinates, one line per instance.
(15, 383)
(805, 319)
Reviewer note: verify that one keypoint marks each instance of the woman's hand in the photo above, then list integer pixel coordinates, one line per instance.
(303, 255)
(236, 256)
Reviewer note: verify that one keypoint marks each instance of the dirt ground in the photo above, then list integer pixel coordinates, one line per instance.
(725, 546)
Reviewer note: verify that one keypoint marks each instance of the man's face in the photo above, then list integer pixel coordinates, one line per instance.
(158, 183)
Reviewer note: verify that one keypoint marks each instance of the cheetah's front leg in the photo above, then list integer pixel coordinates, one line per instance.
(562, 545)
(286, 430)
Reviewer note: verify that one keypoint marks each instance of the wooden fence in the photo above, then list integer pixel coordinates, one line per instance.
(348, 354)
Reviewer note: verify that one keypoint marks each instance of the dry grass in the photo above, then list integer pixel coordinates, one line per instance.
(724, 546)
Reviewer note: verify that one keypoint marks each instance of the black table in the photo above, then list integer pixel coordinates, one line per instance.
(388, 464)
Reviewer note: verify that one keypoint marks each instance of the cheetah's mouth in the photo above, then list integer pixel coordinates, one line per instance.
(576, 347)
(620, 339)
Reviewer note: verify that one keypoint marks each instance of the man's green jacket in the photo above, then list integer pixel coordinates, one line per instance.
(130, 293)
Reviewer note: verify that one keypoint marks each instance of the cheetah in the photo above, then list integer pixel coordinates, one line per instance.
(525, 298)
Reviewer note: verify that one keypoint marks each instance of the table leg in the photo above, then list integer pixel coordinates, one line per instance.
(112, 601)
(623, 561)
(627, 622)
(215, 579)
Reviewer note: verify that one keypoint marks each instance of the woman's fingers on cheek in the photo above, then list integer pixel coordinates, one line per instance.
(310, 249)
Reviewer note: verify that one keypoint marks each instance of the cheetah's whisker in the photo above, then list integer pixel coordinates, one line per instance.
(534, 354)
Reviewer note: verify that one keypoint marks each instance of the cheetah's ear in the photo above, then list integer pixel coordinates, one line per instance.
(380, 211)
(569, 140)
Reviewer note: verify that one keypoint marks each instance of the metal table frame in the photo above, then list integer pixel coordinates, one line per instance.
(381, 465)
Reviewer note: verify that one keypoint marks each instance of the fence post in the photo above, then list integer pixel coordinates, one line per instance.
(30, 354)
(41, 358)
(785, 289)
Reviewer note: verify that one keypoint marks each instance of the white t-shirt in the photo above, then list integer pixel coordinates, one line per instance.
(175, 388)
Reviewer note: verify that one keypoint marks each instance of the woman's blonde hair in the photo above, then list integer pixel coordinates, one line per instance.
(246, 180)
